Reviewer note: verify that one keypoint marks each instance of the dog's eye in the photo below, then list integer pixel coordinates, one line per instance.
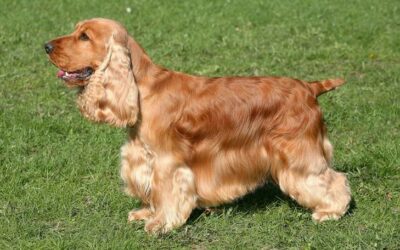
(84, 37)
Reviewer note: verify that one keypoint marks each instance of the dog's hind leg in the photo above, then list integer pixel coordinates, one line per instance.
(313, 184)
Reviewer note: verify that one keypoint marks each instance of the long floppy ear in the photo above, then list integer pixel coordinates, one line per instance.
(111, 95)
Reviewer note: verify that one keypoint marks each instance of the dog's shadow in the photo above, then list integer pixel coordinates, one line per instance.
(260, 199)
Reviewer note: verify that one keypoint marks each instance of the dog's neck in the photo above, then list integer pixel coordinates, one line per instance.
(143, 67)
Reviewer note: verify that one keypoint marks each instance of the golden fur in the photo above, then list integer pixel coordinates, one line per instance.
(198, 141)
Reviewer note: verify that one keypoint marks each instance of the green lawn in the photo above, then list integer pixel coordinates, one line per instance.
(59, 182)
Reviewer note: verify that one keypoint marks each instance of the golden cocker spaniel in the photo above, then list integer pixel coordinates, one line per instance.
(197, 141)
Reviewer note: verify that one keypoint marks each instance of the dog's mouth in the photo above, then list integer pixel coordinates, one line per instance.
(77, 75)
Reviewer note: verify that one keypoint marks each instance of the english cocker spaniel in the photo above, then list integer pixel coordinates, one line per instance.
(196, 141)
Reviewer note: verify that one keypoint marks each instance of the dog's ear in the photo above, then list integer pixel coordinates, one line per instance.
(121, 88)
(112, 95)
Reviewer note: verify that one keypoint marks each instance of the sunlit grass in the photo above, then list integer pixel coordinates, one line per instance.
(59, 182)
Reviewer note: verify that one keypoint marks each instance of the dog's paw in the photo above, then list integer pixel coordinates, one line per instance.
(155, 226)
(324, 216)
(139, 214)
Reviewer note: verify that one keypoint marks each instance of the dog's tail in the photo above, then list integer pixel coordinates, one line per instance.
(320, 87)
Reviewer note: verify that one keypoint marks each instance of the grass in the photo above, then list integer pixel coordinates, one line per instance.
(59, 182)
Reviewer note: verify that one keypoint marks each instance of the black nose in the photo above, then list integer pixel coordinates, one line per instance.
(48, 47)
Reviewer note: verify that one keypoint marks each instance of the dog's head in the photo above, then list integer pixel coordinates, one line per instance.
(97, 57)
(79, 54)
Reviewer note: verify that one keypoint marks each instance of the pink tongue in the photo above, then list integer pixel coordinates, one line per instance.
(60, 73)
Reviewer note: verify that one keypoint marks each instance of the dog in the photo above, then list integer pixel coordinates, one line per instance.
(197, 141)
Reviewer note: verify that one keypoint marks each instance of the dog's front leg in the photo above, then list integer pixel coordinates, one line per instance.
(136, 172)
(173, 195)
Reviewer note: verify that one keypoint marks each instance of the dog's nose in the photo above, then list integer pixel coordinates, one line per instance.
(48, 47)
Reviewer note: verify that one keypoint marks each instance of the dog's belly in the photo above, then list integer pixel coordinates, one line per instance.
(229, 175)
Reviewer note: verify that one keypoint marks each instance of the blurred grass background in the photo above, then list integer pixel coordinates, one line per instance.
(59, 182)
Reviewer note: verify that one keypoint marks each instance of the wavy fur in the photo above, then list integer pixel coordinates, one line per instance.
(198, 141)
